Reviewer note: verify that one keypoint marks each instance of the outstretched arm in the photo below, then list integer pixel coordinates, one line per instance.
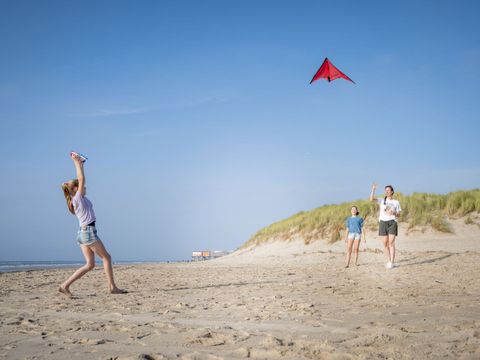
(372, 193)
(80, 174)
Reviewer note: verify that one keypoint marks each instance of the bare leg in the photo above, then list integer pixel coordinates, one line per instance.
(355, 249)
(90, 264)
(349, 252)
(391, 245)
(100, 250)
(386, 249)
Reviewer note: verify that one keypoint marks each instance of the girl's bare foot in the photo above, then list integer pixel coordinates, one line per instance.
(65, 291)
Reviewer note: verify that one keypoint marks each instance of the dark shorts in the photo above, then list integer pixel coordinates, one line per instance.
(388, 228)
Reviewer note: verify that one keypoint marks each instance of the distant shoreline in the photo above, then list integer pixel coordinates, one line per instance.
(19, 266)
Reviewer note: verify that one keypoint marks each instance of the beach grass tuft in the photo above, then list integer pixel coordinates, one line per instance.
(328, 221)
(469, 221)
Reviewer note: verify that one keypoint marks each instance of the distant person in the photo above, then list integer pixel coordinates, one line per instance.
(353, 235)
(388, 227)
(90, 243)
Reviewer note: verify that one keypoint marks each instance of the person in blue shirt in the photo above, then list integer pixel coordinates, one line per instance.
(353, 234)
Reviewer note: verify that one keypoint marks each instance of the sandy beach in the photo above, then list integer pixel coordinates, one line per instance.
(218, 156)
(279, 300)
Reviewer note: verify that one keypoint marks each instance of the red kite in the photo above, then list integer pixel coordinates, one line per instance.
(330, 72)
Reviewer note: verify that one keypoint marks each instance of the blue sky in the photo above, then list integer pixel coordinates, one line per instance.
(200, 123)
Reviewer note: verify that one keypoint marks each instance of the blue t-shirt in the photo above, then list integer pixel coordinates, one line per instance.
(354, 224)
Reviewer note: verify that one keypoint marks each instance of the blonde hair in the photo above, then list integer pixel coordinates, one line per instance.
(68, 192)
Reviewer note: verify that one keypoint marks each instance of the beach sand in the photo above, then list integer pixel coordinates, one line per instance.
(279, 300)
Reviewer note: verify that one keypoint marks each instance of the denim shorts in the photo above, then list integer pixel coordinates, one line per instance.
(354, 236)
(87, 235)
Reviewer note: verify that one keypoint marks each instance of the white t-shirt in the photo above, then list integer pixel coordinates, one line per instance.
(386, 206)
(83, 209)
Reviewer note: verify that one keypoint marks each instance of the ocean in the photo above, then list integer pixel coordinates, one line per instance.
(8, 266)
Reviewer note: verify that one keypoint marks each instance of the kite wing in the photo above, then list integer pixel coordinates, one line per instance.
(330, 72)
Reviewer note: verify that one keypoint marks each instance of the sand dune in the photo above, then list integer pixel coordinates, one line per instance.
(273, 302)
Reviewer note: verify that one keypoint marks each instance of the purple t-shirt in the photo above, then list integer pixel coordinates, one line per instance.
(83, 209)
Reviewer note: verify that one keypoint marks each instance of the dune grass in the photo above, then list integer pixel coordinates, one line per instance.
(327, 222)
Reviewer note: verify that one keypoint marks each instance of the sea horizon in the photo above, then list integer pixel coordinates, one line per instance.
(18, 265)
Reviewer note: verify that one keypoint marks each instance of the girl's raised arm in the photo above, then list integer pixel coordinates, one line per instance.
(80, 174)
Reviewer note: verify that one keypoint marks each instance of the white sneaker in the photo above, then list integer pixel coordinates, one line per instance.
(389, 265)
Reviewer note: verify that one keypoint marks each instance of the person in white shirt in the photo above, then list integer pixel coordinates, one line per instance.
(388, 228)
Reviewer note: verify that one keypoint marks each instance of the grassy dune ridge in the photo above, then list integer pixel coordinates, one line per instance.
(327, 222)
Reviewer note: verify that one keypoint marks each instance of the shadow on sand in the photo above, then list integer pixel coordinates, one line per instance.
(411, 261)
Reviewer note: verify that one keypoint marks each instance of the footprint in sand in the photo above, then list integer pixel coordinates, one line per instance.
(209, 337)
(140, 357)
(266, 354)
(88, 341)
(199, 356)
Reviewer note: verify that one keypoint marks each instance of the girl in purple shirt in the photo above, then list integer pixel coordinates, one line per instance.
(90, 244)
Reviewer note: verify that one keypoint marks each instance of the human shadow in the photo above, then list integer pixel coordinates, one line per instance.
(406, 262)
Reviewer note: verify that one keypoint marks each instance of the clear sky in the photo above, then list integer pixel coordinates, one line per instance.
(200, 124)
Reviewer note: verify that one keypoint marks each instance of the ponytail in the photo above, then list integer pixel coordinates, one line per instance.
(67, 192)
